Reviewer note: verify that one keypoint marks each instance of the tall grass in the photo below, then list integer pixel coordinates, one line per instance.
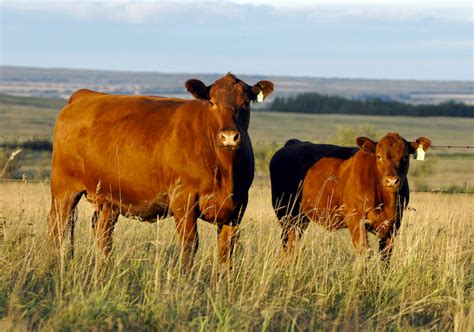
(429, 283)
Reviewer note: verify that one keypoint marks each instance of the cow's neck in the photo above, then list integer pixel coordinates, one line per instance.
(366, 166)
(224, 168)
(388, 198)
(382, 213)
(222, 165)
(387, 201)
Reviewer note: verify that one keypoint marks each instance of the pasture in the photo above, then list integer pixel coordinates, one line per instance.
(444, 169)
(428, 285)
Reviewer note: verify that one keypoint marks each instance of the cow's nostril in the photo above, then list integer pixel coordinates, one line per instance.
(236, 137)
(392, 181)
(223, 138)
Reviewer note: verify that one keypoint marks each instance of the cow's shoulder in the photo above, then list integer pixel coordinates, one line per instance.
(84, 93)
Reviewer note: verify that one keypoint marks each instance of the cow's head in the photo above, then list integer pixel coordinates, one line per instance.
(391, 155)
(229, 101)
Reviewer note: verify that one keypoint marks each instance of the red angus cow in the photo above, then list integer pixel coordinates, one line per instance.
(143, 157)
(340, 187)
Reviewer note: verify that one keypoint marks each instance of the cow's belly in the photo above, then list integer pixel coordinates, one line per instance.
(216, 209)
(324, 207)
(330, 218)
(149, 210)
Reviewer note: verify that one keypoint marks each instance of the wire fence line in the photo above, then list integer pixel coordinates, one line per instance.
(261, 142)
(38, 137)
(254, 185)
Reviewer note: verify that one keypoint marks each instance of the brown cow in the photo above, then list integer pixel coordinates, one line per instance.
(147, 157)
(362, 189)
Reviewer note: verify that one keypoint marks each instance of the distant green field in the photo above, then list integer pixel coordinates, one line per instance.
(444, 169)
(35, 116)
(279, 127)
(31, 101)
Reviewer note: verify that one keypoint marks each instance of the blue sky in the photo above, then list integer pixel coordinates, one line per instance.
(355, 39)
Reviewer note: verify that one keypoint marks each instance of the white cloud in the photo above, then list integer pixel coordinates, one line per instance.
(309, 3)
(334, 10)
(129, 11)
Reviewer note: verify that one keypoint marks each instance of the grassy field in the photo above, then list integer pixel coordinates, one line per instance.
(20, 116)
(429, 284)
(448, 169)
(320, 128)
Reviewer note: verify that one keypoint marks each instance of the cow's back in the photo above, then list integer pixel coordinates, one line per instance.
(96, 120)
(289, 167)
(119, 141)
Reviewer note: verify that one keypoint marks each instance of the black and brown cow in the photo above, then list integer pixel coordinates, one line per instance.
(362, 189)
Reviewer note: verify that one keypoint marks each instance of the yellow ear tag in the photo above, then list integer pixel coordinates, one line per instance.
(419, 153)
(260, 97)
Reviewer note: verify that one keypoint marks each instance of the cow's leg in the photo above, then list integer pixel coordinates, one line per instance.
(62, 214)
(287, 236)
(358, 231)
(104, 227)
(95, 217)
(227, 237)
(386, 248)
(292, 230)
(72, 223)
(185, 216)
(386, 243)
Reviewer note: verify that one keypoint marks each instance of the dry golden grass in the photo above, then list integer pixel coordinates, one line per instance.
(428, 285)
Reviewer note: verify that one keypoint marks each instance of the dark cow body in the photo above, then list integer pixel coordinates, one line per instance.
(148, 157)
(288, 168)
(342, 187)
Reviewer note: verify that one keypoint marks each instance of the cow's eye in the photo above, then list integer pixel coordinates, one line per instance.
(212, 103)
(379, 157)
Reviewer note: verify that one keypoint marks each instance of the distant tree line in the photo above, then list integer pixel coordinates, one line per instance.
(33, 145)
(316, 103)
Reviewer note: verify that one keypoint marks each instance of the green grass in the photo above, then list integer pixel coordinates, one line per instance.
(279, 127)
(32, 101)
(21, 120)
(25, 116)
(428, 285)
(269, 131)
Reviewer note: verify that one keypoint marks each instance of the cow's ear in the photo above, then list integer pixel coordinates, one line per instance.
(366, 144)
(423, 141)
(262, 90)
(198, 89)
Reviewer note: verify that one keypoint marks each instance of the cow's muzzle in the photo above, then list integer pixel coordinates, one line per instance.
(391, 181)
(229, 138)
